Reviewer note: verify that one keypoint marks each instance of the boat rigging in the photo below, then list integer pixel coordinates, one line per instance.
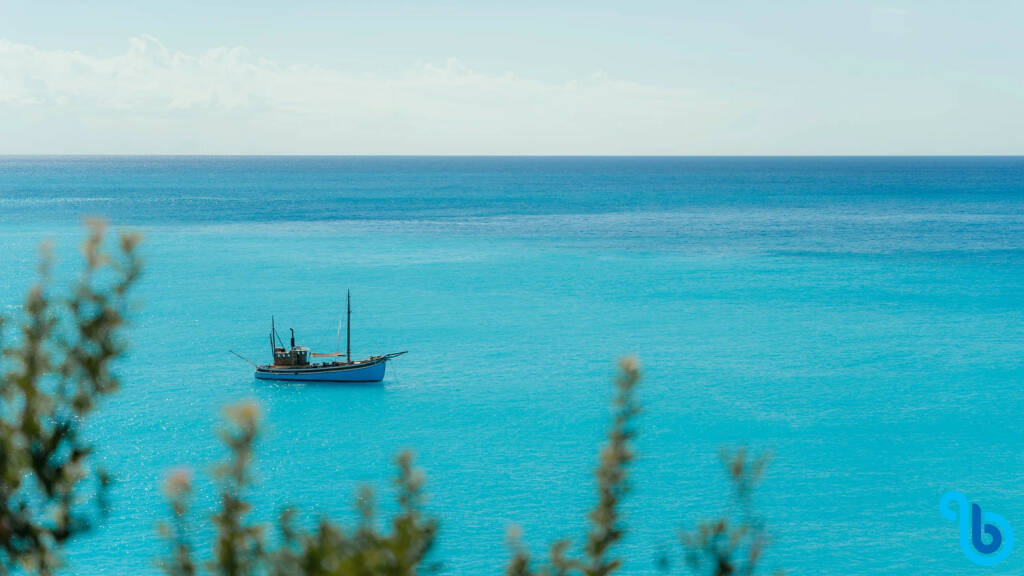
(293, 363)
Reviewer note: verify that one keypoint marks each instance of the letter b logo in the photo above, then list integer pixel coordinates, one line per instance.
(985, 538)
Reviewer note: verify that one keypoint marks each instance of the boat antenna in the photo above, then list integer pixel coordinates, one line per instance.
(293, 337)
(348, 328)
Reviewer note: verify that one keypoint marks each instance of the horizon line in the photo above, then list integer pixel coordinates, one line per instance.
(666, 156)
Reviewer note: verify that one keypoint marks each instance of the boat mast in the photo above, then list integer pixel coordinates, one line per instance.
(348, 328)
(275, 338)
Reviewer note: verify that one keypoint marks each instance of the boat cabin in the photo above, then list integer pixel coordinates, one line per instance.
(297, 356)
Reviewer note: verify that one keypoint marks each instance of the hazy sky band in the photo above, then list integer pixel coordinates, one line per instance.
(479, 78)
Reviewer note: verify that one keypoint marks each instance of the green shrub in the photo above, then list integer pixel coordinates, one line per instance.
(52, 378)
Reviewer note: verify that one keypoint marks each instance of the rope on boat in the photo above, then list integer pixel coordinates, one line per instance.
(395, 377)
(244, 358)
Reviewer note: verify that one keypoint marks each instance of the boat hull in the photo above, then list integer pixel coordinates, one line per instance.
(370, 371)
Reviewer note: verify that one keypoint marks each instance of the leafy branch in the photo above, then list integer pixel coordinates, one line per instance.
(58, 369)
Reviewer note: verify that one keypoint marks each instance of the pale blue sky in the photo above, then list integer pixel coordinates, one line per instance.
(516, 78)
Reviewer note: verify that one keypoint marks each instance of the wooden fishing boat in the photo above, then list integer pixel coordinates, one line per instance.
(294, 363)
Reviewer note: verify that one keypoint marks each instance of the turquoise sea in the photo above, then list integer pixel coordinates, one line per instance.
(860, 318)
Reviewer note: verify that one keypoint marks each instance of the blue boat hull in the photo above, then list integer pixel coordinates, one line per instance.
(369, 371)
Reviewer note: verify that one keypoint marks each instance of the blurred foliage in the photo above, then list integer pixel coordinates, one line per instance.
(53, 375)
(734, 542)
(606, 526)
(328, 549)
(60, 367)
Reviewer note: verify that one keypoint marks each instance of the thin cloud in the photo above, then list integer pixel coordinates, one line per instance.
(329, 109)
